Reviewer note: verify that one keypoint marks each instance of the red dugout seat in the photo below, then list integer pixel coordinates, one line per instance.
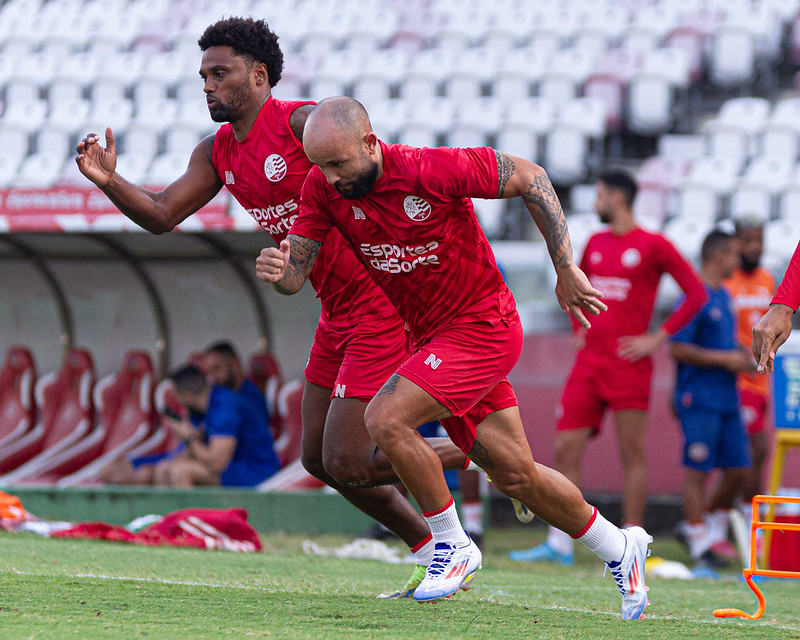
(17, 400)
(64, 398)
(292, 476)
(162, 439)
(290, 400)
(126, 412)
(264, 372)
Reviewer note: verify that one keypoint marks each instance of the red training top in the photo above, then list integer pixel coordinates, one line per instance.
(265, 173)
(418, 236)
(789, 288)
(627, 269)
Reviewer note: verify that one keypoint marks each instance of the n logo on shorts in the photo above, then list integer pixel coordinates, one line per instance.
(340, 390)
(433, 361)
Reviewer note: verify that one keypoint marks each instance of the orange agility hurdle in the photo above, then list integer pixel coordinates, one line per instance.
(753, 569)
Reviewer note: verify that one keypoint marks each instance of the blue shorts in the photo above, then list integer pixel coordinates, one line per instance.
(141, 461)
(713, 439)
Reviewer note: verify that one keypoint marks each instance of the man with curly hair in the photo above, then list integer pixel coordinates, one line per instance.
(258, 155)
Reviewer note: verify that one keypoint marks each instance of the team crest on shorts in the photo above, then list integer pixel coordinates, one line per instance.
(275, 168)
(416, 208)
(698, 452)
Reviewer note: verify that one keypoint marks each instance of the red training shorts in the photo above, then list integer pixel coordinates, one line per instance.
(754, 411)
(596, 384)
(465, 367)
(354, 362)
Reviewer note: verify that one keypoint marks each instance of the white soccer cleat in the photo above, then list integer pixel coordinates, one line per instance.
(629, 572)
(524, 515)
(452, 566)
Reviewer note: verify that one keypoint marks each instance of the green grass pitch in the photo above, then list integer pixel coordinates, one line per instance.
(65, 589)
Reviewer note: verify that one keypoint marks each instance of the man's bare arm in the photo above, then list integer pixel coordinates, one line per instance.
(288, 266)
(297, 120)
(522, 178)
(155, 211)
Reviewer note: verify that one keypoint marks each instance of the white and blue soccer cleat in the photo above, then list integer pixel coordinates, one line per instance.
(452, 568)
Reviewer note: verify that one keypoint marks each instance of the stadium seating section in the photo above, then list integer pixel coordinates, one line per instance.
(64, 428)
(559, 82)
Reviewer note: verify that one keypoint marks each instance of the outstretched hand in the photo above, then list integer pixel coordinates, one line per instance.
(271, 263)
(576, 294)
(96, 162)
(769, 334)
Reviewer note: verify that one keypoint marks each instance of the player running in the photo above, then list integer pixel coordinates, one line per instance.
(360, 340)
(407, 214)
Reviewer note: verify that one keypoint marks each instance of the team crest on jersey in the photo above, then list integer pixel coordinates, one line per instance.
(275, 168)
(631, 258)
(595, 257)
(358, 213)
(416, 208)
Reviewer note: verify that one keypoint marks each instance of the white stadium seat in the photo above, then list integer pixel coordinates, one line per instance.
(650, 100)
(39, 170)
(166, 168)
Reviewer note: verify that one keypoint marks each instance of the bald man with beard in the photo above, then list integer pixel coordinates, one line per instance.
(407, 214)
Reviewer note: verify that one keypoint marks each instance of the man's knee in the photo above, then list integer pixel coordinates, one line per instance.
(347, 469)
(382, 424)
(312, 462)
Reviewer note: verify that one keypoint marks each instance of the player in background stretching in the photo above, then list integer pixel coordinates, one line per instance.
(613, 366)
(752, 288)
(407, 213)
(360, 340)
(775, 327)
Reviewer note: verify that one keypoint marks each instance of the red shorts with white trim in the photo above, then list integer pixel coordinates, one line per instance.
(354, 362)
(597, 384)
(754, 411)
(465, 367)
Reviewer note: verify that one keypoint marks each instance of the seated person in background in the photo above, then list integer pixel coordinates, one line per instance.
(223, 367)
(227, 443)
(707, 404)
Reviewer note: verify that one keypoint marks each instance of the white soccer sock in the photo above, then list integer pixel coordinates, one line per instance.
(423, 552)
(472, 512)
(717, 522)
(469, 465)
(697, 533)
(603, 538)
(445, 525)
(560, 542)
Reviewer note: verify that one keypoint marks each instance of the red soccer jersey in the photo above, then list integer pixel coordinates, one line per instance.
(265, 173)
(627, 269)
(789, 288)
(417, 234)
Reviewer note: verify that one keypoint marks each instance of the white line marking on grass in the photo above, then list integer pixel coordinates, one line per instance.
(100, 576)
(244, 587)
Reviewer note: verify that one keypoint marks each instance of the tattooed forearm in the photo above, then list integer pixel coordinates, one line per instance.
(389, 387)
(544, 207)
(505, 169)
(301, 260)
(480, 456)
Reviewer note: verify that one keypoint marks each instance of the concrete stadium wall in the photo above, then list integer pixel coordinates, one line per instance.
(538, 379)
